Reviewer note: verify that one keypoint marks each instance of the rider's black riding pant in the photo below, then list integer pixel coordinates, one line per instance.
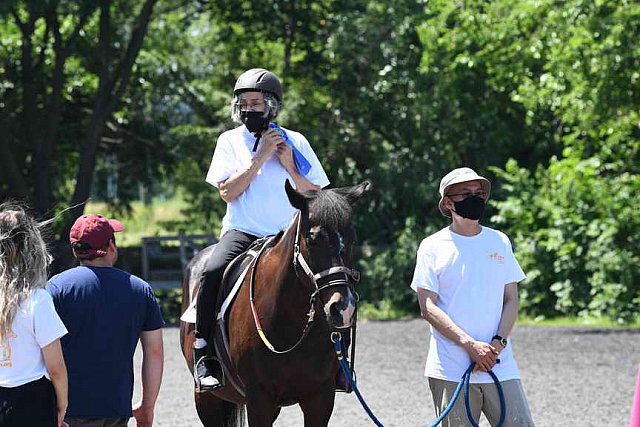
(231, 244)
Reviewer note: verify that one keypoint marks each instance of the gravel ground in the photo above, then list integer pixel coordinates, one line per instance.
(572, 377)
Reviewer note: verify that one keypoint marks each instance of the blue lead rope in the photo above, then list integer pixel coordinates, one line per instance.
(336, 338)
(465, 382)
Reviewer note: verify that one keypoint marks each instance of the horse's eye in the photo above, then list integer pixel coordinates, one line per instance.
(311, 237)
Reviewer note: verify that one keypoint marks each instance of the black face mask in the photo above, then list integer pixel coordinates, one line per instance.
(254, 120)
(470, 208)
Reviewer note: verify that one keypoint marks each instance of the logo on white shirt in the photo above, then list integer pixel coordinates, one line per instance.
(5, 351)
(496, 257)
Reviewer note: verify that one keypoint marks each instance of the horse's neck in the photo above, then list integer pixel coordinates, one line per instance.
(284, 248)
(283, 251)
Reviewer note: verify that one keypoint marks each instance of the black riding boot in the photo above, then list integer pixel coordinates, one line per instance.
(206, 370)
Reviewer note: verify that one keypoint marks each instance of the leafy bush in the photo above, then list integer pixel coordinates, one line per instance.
(576, 233)
(170, 301)
(387, 274)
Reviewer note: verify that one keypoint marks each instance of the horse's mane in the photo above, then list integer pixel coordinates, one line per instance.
(329, 209)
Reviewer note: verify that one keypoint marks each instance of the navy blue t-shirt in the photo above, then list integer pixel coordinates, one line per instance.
(105, 310)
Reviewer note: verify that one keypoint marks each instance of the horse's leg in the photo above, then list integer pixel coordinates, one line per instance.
(261, 410)
(215, 412)
(317, 408)
(209, 409)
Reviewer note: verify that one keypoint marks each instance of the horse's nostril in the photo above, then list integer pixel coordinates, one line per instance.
(336, 308)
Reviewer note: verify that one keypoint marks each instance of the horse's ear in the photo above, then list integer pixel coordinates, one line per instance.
(296, 199)
(353, 194)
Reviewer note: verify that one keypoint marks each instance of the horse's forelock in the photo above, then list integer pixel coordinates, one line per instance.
(330, 210)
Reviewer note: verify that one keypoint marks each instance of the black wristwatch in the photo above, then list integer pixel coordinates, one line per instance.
(502, 341)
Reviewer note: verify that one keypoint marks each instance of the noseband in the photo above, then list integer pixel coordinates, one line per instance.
(337, 276)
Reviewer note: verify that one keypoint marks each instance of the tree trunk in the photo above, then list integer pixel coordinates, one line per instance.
(112, 86)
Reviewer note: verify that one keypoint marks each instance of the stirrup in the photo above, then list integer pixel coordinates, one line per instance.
(204, 376)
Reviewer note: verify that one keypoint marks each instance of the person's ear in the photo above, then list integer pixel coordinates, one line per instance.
(450, 205)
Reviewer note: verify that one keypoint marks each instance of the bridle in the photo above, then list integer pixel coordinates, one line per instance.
(338, 276)
(348, 276)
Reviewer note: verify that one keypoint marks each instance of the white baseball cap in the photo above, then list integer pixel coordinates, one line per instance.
(457, 176)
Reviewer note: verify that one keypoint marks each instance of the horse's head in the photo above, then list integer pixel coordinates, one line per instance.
(324, 247)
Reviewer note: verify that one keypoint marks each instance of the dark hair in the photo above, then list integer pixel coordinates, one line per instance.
(84, 251)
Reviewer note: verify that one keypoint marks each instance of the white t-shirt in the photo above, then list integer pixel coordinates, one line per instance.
(263, 208)
(35, 326)
(469, 275)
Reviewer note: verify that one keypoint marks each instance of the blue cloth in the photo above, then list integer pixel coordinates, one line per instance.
(105, 310)
(301, 162)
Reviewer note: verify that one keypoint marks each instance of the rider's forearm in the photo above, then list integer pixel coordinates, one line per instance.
(302, 183)
(237, 183)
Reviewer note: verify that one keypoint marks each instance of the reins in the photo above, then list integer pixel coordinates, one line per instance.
(298, 260)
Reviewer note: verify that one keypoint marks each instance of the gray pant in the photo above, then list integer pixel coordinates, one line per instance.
(97, 422)
(484, 398)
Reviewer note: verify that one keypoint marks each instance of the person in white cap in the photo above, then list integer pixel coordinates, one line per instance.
(466, 278)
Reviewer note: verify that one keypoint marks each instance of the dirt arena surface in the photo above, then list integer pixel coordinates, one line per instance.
(572, 377)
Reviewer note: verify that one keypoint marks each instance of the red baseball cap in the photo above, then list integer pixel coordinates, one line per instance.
(95, 231)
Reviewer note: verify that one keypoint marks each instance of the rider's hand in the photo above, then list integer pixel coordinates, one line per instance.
(269, 143)
(483, 354)
(285, 155)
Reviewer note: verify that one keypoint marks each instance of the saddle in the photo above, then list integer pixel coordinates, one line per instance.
(232, 280)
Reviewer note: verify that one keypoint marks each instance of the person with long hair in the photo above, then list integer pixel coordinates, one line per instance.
(33, 375)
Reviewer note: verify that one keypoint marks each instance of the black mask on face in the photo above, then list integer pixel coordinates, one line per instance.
(254, 120)
(470, 208)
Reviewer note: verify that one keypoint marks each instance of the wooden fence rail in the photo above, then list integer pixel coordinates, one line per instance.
(164, 250)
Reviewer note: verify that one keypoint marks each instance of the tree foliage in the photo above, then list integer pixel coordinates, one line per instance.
(541, 95)
(64, 62)
(574, 220)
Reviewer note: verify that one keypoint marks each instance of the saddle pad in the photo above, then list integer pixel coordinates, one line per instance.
(189, 315)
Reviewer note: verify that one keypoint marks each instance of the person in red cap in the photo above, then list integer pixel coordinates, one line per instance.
(106, 311)
(466, 278)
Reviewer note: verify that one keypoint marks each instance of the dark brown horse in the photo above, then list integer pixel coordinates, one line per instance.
(308, 270)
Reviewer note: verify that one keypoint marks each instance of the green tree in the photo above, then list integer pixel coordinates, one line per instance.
(63, 61)
(574, 221)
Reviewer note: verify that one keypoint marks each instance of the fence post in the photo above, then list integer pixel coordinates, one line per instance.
(145, 259)
(183, 249)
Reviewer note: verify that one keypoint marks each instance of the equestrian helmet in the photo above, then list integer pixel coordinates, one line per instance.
(259, 80)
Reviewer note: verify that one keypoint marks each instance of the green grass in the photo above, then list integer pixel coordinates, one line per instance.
(144, 220)
(383, 310)
(577, 321)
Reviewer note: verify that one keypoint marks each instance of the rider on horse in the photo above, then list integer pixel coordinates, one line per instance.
(249, 167)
